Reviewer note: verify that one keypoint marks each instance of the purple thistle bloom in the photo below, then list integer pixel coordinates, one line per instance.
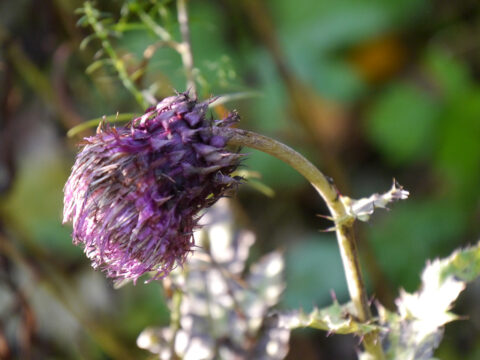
(135, 193)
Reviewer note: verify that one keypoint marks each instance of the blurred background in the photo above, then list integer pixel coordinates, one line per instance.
(368, 90)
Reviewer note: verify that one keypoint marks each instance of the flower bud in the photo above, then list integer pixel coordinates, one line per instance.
(135, 193)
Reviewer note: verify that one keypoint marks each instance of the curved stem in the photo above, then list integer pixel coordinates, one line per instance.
(343, 223)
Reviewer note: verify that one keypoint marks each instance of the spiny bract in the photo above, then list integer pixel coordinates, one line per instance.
(135, 193)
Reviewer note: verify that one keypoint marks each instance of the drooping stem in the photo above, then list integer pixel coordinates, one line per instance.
(185, 48)
(343, 222)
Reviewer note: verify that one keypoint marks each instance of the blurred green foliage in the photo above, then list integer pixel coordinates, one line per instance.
(439, 129)
(401, 123)
(306, 288)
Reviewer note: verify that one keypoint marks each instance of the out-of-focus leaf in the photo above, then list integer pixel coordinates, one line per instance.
(418, 230)
(97, 65)
(35, 205)
(314, 269)
(251, 176)
(335, 319)
(274, 172)
(82, 21)
(217, 311)
(458, 156)
(209, 46)
(450, 76)
(261, 187)
(153, 309)
(266, 278)
(157, 341)
(83, 45)
(402, 124)
(326, 28)
(417, 329)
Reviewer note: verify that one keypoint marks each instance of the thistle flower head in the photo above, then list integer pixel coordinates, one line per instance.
(135, 193)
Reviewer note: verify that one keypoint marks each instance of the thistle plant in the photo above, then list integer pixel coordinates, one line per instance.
(137, 193)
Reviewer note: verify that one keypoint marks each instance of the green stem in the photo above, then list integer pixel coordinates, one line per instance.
(343, 223)
(157, 29)
(118, 64)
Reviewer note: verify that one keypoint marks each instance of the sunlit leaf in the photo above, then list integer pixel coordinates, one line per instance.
(335, 319)
(417, 329)
(221, 307)
(362, 209)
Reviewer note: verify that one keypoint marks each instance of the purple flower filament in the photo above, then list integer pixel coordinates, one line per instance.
(135, 193)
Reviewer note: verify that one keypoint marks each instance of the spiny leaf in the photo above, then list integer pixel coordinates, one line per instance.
(335, 319)
(416, 330)
(362, 209)
(463, 264)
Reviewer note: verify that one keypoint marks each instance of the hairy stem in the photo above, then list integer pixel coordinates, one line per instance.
(343, 223)
(185, 48)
